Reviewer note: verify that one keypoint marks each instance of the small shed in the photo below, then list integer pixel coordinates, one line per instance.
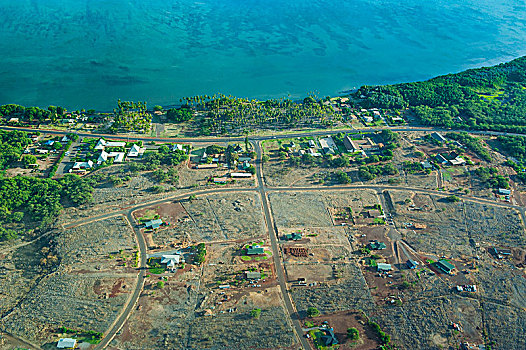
(66, 343)
(411, 264)
(381, 267)
(253, 275)
(504, 191)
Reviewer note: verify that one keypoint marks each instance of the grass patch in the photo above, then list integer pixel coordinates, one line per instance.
(246, 258)
(157, 270)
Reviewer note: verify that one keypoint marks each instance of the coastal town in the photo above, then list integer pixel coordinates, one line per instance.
(374, 234)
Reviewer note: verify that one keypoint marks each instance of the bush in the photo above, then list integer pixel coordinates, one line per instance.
(255, 313)
(353, 334)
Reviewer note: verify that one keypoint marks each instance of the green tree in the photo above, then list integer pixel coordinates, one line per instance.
(312, 312)
(160, 284)
(28, 160)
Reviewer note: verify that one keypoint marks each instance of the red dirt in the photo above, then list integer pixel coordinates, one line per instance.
(343, 320)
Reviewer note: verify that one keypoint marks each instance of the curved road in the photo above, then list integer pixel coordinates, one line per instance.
(263, 190)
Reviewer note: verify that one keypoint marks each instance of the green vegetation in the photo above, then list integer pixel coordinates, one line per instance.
(353, 334)
(452, 199)
(130, 116)
(91, 337)
(413, 167)
(160, 284)
(489, 98)
(225, 114)
(369, 172)
(312, 312)
(200, 253)
(255, 313)
(472, 143)
(384, 338)
(179, 115)
(29, 202)
(12, 146)
(491, 178)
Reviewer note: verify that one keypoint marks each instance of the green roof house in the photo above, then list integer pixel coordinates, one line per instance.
(376, 245)
(296, 236)
(255, 250)
(445, 266)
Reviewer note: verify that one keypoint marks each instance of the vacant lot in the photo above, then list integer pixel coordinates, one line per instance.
(304, 209)
(215, 217)
(347, 292)
(88, 288)
(426, 324)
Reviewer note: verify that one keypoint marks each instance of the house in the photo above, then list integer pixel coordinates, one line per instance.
(13, 120)
(411, 264)
(255, 250)
(327, 145)
(118, 157)
(504, 191)
(42, 151)
(381, 267)
(445, 266)
(296, 236)
(135, 151)
(349, 144)
(252, 275)
(499, 253)
(367, 118)
(240, 175)
(206, 166)
(177, 147)
(64, 139)
(426, 165)
(438, 137)
(82, 165)
(397, 120)
(49, 143)
(153, 223)
(329, 338)
(171, 260)
(66, 343)
(220, 180)
(101, 144)
(457, 161)
(312, 144)
(313, 152)
(376, 245)
(441, 159)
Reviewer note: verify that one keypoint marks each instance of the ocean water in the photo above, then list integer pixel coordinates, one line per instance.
(89, 53)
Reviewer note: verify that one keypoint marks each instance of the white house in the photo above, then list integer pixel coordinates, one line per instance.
(67, 343)
(82, 165)
(103, 144)
(171, 260)
(118, 157)
(135, 151)
(328, 146)
(177, 147)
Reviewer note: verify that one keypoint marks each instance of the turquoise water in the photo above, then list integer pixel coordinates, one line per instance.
(89, 53)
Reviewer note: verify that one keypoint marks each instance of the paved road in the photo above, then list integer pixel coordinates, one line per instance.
(272, 233)
(132, 301)
(256, 138)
